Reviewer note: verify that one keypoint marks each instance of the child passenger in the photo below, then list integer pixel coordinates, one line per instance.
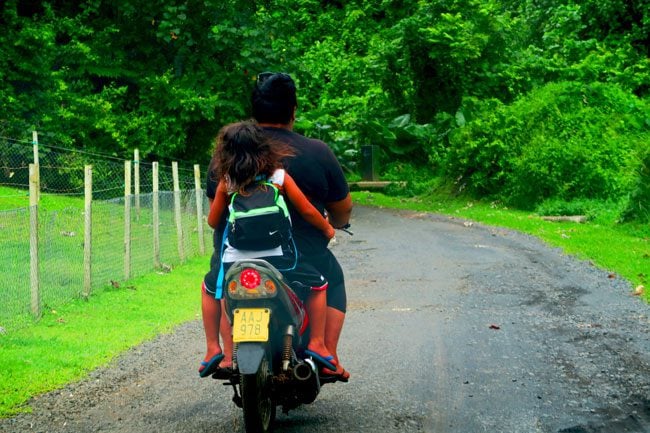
(245, 155)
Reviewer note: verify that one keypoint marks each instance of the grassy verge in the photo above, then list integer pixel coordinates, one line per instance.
(68, 343)
(13, 198)
(621, 249)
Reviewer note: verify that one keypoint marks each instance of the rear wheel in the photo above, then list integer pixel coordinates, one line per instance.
(258, 406)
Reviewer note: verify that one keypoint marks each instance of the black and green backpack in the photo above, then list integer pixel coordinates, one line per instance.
(259, 219)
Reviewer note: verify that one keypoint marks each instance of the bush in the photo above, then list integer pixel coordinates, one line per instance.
(638, 207)
(410, 179)
(565, 140)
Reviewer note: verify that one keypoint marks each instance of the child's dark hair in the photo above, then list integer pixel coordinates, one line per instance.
(243, 151)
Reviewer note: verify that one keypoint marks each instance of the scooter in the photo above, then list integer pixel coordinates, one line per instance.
(270, 329)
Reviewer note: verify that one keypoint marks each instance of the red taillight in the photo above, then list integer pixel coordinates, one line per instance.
(250, 278)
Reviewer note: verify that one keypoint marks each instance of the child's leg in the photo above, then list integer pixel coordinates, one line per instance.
(226, 337)
(211, 309)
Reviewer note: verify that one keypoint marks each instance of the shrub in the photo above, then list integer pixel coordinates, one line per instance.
(564, 140)
(638, 206)
(410, 179)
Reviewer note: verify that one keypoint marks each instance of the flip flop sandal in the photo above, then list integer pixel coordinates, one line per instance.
(210, 366)
(325, 360)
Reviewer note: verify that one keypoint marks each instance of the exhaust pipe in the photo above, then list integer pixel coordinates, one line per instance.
(303, 371)
(308, 384)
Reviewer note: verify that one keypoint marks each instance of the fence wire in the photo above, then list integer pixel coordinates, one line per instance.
(61, 225)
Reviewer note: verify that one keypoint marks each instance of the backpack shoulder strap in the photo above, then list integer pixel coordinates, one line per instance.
(281, 202)
(231, 214)
(218, 291)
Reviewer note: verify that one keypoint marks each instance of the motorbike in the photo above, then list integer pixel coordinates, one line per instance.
(270, 329)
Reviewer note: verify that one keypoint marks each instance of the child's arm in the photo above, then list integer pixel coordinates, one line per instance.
(218, 205)
(305, 208)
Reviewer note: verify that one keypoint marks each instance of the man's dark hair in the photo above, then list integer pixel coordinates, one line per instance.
(274, 98)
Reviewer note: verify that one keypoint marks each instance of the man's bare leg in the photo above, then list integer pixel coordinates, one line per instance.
(333, 328)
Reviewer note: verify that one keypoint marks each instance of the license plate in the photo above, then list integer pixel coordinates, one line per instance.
(250, 324)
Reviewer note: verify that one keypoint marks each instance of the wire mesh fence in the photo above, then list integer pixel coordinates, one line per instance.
(138, 222)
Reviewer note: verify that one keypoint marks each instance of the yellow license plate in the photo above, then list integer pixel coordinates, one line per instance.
(250, 324)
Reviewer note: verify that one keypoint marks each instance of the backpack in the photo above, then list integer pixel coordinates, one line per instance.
(259, 218)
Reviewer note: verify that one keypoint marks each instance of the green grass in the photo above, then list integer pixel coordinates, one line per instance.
(623, 249)
(14, 198)
(70, 341)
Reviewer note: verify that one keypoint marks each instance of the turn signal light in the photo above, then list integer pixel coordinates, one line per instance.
(270, 287)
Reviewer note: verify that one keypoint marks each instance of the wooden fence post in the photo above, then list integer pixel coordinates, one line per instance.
(37, 164)
(156, 217)
(33, 240)
(136, 182)
(177, 212)
(199, 207)
(127, 219)
(88, 224)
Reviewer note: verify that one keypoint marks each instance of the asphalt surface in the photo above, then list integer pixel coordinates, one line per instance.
(451, 327)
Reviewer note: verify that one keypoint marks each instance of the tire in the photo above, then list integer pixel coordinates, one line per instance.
(257, 404)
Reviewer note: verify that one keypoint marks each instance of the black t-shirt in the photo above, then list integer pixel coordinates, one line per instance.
(319, 176)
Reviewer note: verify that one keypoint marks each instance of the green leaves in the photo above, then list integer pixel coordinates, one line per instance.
(565, 140)
(433, 83)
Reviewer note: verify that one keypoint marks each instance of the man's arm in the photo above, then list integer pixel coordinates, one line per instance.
(305, 208)
(339, 212)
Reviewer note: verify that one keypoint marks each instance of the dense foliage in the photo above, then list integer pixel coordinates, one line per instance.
(563, 140)
(520, 100)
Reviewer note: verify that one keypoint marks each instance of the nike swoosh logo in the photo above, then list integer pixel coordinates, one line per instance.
(273, 232)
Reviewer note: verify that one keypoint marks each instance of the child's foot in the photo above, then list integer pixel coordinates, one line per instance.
(211, 365)
(322, 355)
(225, 363)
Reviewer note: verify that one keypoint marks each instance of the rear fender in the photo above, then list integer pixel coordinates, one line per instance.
(249, 357)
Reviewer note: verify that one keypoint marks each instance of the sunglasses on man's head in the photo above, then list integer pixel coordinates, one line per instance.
(263, 76)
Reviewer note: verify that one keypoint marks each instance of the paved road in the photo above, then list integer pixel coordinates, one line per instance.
(452, 327)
